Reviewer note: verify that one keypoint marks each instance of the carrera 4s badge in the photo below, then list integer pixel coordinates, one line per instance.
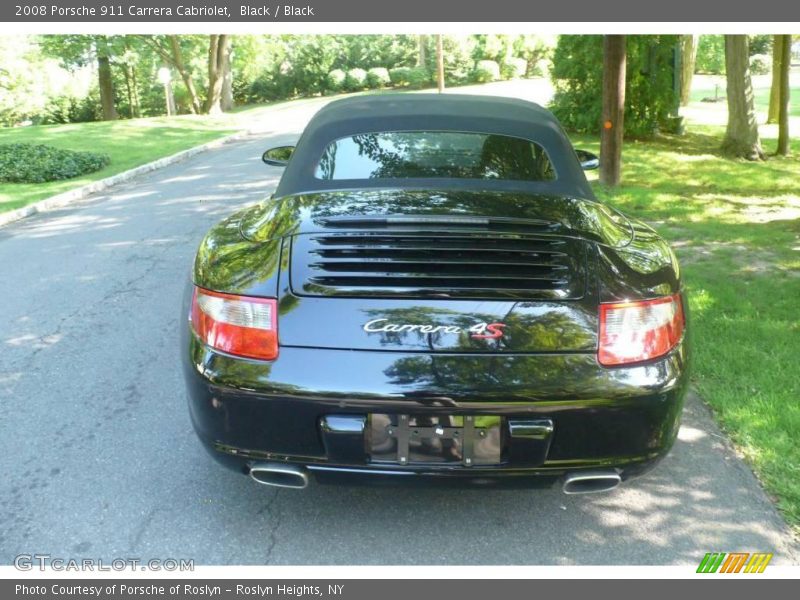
(479, 331)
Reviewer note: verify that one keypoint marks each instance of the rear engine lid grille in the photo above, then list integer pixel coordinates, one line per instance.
(444, 264)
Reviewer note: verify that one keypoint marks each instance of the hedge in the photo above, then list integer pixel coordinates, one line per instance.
(37, 163)
(356, 79)
(486, 70)
(336, 79)
(378, 77)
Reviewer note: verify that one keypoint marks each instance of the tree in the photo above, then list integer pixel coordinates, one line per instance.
(650, 91)
(25, 85)
(105, 79)
(128, 62)
(614, 58)
(78, 50)
(785, 92)
(775, 89)
(710, 55)
(227, 81)
(218, 53)
(439, 63)
(688, 60)
(741, 136)
(421, 43)
(170, 50)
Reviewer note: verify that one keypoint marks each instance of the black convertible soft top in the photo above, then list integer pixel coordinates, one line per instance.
(434, 112)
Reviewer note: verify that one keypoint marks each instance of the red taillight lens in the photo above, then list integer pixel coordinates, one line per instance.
(632, 332)
(239, 325)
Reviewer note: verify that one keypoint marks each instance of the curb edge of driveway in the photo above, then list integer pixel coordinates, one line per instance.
(80, 193)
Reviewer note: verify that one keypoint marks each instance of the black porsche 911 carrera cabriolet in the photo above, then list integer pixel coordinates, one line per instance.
(434, 293)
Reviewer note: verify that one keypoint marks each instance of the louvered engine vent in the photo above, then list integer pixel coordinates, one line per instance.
(445, 264)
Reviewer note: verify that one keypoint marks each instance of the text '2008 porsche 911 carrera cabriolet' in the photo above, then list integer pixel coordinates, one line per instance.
(434, 294)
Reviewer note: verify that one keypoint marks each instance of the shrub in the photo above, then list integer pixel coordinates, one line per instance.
(32, 163)
(378, 77)
(356, 79)
(419, 77)
(336, 79)
(70, 109)
(309, 60)
(514, 68)
(760, 64)
(577, 74)
(267, 87)
(399, 76)
(486, 70)
(710, 55)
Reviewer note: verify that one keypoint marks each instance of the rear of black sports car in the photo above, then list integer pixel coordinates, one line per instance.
(492, 336)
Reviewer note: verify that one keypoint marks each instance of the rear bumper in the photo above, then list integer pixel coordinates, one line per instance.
(624, 419)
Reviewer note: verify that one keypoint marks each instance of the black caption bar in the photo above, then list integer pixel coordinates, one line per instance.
(366, 589)
(475, 11)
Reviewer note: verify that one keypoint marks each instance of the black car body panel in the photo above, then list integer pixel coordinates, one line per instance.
(380, 287)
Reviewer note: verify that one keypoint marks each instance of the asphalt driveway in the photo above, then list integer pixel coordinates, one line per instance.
(99, 458)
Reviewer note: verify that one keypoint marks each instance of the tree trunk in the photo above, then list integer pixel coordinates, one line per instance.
(741, 136)
(421, 42)
(775, 89)
(783, 113)
(688, 59)
(440, 63)
(137, 101)
(227, 81)
(106, 82)
(217, 48)
(186, 76)
(614, 59)
(127, 72)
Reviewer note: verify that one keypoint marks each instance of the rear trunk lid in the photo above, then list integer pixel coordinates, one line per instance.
(488, 273)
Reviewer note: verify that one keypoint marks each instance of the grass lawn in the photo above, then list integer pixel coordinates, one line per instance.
(735, 226)
(707, 86)
(129, 143)
(760, 98)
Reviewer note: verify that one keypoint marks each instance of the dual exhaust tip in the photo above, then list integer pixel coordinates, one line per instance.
(279, 475)
(591, 482)
(294, 477)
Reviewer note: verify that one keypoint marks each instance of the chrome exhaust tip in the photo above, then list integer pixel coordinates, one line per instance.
(279, 475)
(591, 482)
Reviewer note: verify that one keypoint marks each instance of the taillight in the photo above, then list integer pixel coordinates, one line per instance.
(239, 325)
(633, 332)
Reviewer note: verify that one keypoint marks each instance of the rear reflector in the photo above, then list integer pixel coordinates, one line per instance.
(238, 325)
(632, 332)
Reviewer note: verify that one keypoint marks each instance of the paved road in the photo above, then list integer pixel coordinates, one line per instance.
(99, 458)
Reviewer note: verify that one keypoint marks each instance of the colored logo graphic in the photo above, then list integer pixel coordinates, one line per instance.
(734, 562)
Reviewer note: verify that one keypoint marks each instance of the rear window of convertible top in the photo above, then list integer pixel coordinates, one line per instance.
(432, 154)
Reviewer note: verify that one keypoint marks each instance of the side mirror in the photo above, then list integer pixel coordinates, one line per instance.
(278, 157)
(588, 160)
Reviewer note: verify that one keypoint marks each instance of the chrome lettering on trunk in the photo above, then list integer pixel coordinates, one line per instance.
(479, 331)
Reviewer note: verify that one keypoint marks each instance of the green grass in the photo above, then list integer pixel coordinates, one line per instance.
(129, 144)
(735, 226)
(760, 98)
